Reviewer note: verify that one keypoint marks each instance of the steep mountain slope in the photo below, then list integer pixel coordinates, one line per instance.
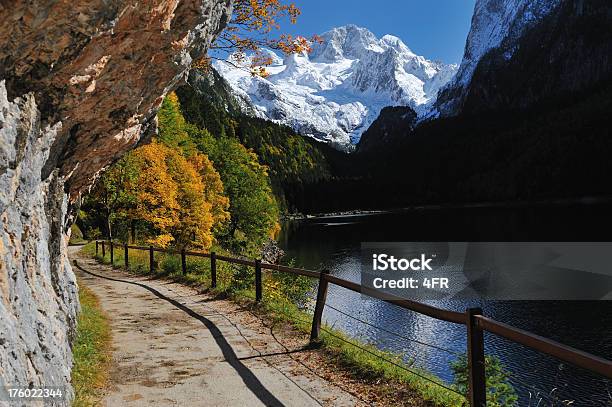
(337, 91)
(567, 54)
(497, 27)
(522, 54)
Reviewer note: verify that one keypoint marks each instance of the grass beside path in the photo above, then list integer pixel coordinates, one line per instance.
(91, 351)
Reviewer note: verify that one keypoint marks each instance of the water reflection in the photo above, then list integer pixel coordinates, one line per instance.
(333, 243)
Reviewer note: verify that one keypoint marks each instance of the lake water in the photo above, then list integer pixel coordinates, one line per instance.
(333, 243)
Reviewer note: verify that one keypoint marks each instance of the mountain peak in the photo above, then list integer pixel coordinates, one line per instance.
(346, 42)
(396, 43)
(352, 31)
(337, 91)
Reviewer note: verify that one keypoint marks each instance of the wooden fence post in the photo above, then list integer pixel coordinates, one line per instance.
(96, 248)
(258, 290)
(183, 262)
(476, 360)
(213, 269)
(112, 253)
(126, 256)
(103, 250)
(151, 260)
(318, 313)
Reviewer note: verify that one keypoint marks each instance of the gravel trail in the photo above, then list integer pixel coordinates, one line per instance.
(173, 346)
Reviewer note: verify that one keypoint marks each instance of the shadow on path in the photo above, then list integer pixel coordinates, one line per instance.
(249, 379)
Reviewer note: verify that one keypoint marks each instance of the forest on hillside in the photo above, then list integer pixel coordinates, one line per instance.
(551, 151)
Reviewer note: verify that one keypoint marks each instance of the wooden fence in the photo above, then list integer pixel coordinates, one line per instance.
(472, 318)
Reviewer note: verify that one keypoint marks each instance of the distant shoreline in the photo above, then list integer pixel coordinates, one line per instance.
(585, 201)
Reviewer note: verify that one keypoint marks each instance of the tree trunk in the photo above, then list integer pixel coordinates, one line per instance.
(133, 231)
(108, 225)
(233, 227)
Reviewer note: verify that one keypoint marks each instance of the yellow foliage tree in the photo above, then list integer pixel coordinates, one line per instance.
(195, 220)
(213, 188)
(156, 193)
(181, 199)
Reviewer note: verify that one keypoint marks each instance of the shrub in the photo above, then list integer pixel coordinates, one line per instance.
(500, 392)
(76, 236)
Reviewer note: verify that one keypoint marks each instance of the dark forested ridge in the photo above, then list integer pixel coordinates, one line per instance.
(532, 127)
(390, 127)
(569, 51)
(537, 154)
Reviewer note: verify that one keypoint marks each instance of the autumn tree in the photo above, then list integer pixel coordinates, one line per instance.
(214, 190)
(251, 30)
(195, 220)
(175, 200)
(187, 188)
(157, 202)
(173, 133)
(178, 199)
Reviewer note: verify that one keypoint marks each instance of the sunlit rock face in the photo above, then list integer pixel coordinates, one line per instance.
(80, 84)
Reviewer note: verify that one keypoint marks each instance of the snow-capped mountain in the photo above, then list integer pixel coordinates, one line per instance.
(496, 24)
(336, 92)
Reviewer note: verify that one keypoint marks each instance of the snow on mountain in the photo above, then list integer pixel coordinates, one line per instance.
(495, 23)
(336, 92)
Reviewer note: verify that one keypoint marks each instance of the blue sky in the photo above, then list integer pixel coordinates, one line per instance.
(436, 29)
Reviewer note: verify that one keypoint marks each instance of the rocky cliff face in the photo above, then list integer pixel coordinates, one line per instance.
(522, 53)
(80, 84)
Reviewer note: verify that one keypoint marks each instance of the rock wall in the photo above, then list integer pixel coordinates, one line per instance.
(80, 84)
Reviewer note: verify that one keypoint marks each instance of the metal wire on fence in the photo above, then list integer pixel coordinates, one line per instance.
(393, 333)
(422, 376)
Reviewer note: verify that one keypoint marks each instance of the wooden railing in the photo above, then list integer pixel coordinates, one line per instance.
(472, 318)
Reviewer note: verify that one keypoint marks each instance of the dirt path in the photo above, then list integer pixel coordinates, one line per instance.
(175, 347)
